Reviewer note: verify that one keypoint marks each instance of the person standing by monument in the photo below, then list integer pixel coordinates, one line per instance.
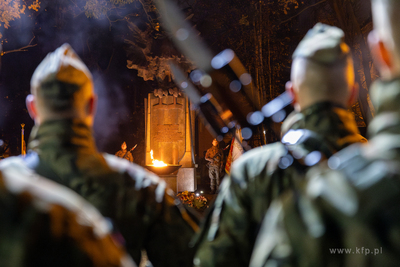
(62, 148)
(124, 153)
(214, 156)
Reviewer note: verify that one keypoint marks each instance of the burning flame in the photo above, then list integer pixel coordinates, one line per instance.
(157, 163)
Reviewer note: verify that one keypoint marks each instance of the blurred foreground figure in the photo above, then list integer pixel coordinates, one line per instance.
(322, 85)
(63, 149)
(349, 211)
(45, 224)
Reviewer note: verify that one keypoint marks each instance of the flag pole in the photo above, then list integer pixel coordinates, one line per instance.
(23, 152)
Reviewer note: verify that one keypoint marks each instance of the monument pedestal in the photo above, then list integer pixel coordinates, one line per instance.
(186, 180)
(171, 181)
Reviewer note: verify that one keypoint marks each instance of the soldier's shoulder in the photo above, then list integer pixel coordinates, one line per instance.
(355, 173)
(18, 178)
(58, 204)
(15, 166)
(142, 177)
(259, 160)
(357, 161)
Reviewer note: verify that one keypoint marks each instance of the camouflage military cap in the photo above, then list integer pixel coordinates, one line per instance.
(62, 65)
(323, 44)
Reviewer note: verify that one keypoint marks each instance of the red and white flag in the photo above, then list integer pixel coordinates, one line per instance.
(235, 151)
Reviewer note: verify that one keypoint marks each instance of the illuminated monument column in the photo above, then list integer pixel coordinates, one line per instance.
(168, 135)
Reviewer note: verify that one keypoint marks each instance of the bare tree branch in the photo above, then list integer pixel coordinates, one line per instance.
(302, 11)
(22, 49)
(109, 63)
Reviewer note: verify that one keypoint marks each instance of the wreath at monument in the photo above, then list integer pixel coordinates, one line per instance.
(190, 199)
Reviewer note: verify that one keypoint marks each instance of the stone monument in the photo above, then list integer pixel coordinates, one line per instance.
(169, 124)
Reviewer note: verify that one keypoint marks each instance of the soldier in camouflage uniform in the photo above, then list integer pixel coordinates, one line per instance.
(62, 147)
(348, 212)
(322, 83)
(45, 224)
(214, 156)
(124, 154)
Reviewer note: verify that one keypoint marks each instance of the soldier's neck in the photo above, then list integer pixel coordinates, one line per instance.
(68, 134)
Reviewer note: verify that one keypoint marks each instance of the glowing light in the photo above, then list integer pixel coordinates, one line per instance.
(184, 85)
(292, 136)
(313, 158)
(231, 124)
(245, 78)
(196, 76)
(272, 107)
(235, 86)
(285, 162)
(334, 162)
(182, 34)
(222, 59)
(279, 116)
(157, 163)
(255, 118)
(277, 104)
(206, 80)
(247, 133)
(217, 62)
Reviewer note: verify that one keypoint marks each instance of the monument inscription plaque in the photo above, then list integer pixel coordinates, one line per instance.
(168, 132)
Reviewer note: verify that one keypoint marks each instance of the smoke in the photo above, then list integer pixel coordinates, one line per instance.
(99, 42)
(111, 110)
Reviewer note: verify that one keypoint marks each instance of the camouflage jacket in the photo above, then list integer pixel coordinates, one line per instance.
(143, 210)
(45, 224)
(348, 211)
(216, 155)
(124, 154)
(257, 177)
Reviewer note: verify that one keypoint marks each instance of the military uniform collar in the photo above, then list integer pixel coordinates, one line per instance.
(68, 133)
(325, 105)
(332, 121)
(297, 120)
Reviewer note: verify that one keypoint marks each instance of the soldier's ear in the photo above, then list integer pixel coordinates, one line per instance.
(30, 104)
(381, 55)
(290, 90)
(91, 105)
(353, 95)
